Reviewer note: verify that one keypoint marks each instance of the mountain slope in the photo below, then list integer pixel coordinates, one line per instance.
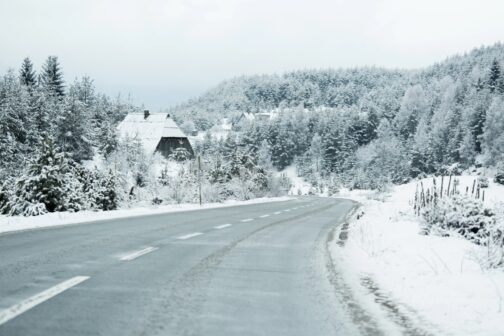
(331, 88)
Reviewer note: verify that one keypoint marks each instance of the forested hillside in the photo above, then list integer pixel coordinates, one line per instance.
(358, 128)
(368, 127)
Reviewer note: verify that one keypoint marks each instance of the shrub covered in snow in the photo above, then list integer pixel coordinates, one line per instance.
(461, 214)
(180, 154)
(483, 181)
(499, 177)
(105, 195)
(4, 199)
(446, 211)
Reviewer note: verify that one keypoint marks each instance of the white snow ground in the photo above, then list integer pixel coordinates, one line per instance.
(440, 283)
(18, 223)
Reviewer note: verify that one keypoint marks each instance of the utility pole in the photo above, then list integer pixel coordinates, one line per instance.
(199, 178)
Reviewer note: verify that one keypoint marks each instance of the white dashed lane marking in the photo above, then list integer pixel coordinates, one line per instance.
(137, 254)
(223, 226)
(18, 309)
(190, 235)
(264, 216)
(247, 220)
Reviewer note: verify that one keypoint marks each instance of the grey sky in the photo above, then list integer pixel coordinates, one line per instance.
(164, 52)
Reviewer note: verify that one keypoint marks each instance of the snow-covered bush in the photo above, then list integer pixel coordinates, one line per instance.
(182, 188)
(180, 154)
(499, 177)
(280, 185)
(460, 214)
(105, 195)
(495, 243)
(446, 211)
(483, 181)
(5, 195)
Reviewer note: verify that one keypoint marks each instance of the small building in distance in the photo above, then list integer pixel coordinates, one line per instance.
(156, 131)
(250, 117)
(244, 117)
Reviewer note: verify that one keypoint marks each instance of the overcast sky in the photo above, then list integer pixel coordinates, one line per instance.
(163, 52)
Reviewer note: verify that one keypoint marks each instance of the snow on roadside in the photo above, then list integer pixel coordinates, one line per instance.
(17, 223)
(440, 280)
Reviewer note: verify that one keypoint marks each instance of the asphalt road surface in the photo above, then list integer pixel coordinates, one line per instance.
(244, 270)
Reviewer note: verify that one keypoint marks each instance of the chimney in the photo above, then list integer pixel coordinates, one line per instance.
(146, 114)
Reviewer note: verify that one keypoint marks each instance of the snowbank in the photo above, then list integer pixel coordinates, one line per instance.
(17, 223)
(439, 281)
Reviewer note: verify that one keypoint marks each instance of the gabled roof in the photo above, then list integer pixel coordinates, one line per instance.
(149, 130)
(248, 115)
(266, 115)
(171, 130)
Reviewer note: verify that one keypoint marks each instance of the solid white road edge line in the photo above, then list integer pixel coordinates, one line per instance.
(223, 226)
(137, 254)
(247, 220)
(18, 309)
(190, 235)
(264, 216)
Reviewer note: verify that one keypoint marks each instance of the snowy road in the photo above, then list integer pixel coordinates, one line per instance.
(245, 270)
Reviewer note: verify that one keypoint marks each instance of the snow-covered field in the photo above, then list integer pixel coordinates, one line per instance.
(438, 283)
(17, 223)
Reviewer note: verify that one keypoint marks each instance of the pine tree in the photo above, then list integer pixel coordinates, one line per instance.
(84, 91)
(13, 108)
(47, 184)
(27, 75)
(107, 138)
(73, 129)
(14, 125)
(207, 145)
(51, 78)
(218, 173)
(494, 78)
(229, 146)
(493, 137)
(422, 151)
(4, 199)
(283, 145)
(478, 123)
(414, 105)
(43, 110)
(316, 154)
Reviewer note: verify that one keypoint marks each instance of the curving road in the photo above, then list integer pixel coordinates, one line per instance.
(244, 270)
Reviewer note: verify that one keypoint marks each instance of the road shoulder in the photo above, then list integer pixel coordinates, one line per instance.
(20, 223)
